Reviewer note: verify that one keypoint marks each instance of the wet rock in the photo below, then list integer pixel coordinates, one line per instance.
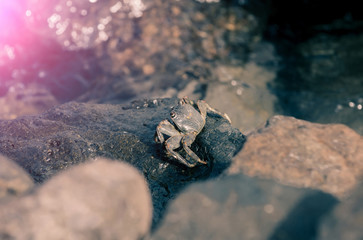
(345, 222)
(240, 207)
(75, 132)
(101, 199)
(14, 181)
(304, 154)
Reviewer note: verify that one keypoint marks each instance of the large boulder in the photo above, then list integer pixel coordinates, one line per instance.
(303, 154)
(76, 132)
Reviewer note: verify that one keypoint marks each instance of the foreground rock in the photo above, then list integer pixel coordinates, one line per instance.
(345, 222)
(299, 153)
(99, 200)
(75, 132)
(14, 181)
(240, 207)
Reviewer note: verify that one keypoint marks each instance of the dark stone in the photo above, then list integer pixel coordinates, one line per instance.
(345, 222)
(240, 207)
(75, 132)
(6, 236)
(303, 220)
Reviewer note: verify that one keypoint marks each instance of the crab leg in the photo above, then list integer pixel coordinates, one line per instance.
(165, 127)
(204, 107)
(187, 141)
(174, 143)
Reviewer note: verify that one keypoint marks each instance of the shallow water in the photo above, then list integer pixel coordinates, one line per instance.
(322, 80)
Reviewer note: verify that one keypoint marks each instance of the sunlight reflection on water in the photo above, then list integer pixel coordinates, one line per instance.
(80, 24)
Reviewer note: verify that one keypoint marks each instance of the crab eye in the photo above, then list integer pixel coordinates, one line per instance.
(172, 114)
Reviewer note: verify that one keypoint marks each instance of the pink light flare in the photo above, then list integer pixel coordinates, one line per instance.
(15, 39)
(12, 13)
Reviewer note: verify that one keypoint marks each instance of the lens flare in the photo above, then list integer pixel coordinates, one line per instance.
(11, 19)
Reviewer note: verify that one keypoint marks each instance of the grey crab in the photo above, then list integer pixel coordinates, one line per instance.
(187, 123)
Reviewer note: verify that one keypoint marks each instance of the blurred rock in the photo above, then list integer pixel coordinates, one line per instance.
(98, 200)
(303, 154)
(23, 100)
(113, 51)
(345, 222)
(240, 207)
(75, 132)
(172, 44)
(14, 181)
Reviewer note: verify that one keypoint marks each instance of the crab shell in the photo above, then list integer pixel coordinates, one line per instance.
(187, 118)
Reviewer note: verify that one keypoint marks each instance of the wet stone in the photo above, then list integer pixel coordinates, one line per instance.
(76, 132)
(303, 154)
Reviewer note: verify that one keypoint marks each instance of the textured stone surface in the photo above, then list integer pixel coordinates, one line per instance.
(240, 207)
(102, 199)
(75, 132)
(345, 222)
(304, 154)
(14, 181)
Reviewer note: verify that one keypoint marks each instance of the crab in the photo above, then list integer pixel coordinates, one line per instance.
(187, 123)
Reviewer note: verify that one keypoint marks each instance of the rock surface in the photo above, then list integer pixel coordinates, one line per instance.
(102, 199)
(14, 181)
(345, 222)
(75, 132)
(240, 207)
(304, 154)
